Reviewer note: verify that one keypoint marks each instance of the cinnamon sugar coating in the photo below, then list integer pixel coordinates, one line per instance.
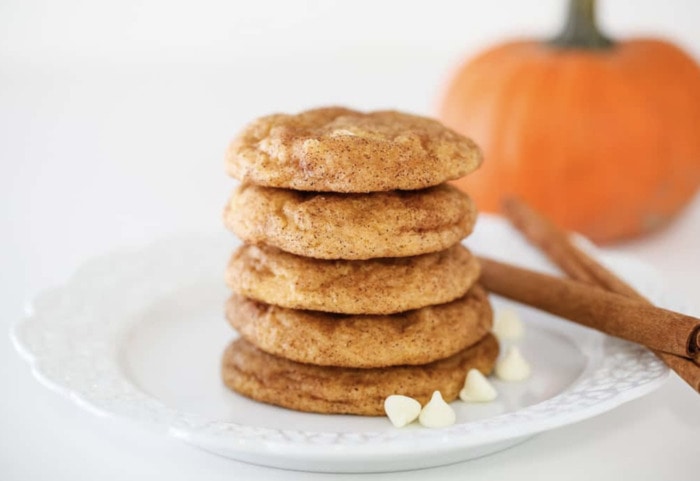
(336, 149)
(351, 226)
(414, 337)
(373, 286)
(341, 390)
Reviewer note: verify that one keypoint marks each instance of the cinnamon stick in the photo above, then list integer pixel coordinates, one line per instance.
(542, 233)
(556, 244)
(617, 315)
(686, 369)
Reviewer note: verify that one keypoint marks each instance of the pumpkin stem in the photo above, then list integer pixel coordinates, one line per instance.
(581, 30)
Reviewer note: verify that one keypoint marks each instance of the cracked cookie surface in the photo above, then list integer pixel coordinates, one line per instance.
(351, 226)
(337, 390)
(373, 286)
(413, 337)
(336, 149)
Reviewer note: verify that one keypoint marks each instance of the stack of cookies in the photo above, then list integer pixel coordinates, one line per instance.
(352, 284)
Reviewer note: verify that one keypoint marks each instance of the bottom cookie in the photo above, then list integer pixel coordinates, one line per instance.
(338, 390)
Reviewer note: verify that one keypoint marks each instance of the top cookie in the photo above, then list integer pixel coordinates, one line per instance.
(336, 149)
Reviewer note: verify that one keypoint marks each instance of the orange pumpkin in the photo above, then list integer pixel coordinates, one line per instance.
(602, 136)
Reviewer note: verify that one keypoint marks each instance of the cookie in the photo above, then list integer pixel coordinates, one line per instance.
(306, 387)
(341, 150)
(351, 226)
(374, 286)
(413, 337)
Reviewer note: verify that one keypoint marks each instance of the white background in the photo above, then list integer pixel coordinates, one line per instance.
(113, 121)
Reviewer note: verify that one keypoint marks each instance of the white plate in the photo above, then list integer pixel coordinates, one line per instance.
(139, 334)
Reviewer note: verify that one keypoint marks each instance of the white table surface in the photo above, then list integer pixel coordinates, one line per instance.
(100, 151)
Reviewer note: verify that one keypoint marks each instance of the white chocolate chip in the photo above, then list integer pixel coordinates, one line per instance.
(401, 410)
(507, 325)
(437, 413)
(512, 367)
(477, 388)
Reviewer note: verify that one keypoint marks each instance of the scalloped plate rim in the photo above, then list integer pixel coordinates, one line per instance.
(257, 446)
